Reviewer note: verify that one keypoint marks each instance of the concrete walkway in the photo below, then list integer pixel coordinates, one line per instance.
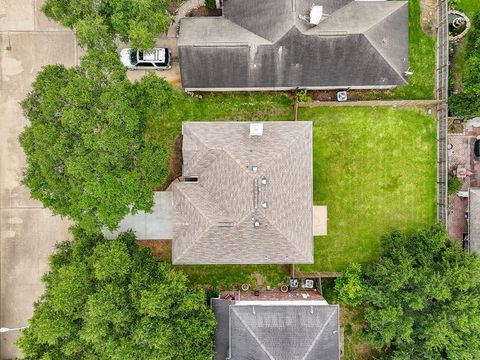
(182, 11)
(28, 41)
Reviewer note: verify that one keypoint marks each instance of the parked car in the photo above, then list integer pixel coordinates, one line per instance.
(476, 148)
(158, 59)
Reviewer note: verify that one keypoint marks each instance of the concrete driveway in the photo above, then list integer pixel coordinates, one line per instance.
(28, 41)
(172, 75)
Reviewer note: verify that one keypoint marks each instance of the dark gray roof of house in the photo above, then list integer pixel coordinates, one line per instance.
(474, 220)
(213, 219)
(276, 332)
(266, 45)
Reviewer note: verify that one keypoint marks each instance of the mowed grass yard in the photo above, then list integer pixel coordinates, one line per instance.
(375, 169)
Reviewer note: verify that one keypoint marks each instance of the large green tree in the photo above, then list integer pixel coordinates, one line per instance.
(110, 299)
(86, 153)
(423, 298)
(134, 21)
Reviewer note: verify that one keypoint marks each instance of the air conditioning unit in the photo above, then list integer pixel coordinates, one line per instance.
(342, 96)
(308, 284)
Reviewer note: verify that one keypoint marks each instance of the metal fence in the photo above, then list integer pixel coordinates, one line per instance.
(442, 111)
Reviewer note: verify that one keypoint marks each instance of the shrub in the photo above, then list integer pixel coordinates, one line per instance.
(349, 286)
(454, 185)
(303, 96)
(210, 4)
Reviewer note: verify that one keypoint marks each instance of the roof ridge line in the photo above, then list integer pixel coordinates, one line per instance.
(262, 346)
(282, 235)
(385, 17)
(319, 333)
(385, 59)
(179, 188)
(293, 140)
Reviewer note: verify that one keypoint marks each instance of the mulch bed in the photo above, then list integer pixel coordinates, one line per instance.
(176, 160)
(160, 248)
(204, 11)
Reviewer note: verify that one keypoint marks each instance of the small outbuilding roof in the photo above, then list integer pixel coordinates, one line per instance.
(270, 44)
(249, 195)
(474, 220)
(301, 330)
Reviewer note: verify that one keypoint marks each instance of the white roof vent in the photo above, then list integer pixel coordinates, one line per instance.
(316, 14)
(256, 129)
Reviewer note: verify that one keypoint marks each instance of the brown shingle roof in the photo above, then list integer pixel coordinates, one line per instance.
(214, 218)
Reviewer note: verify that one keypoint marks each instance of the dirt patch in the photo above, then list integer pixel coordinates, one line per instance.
(355, 347)
(259, 280)
(173, 6)
(204, 11)
(428, 16)
(160, 248)
(455, 126)
(176, 161)
(457, 50)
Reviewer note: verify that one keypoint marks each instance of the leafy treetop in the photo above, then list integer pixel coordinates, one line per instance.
(110, 299)
(86, 153)
(423, 298)
(96, 21)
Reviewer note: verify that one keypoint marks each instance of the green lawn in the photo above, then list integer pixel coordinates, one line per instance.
(375, 169)
(165, 127)
(422, 55)
(470, 8)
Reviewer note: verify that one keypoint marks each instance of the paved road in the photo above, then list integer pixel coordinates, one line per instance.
(27, 231)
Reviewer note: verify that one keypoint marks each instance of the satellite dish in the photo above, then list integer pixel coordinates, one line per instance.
(316, 14)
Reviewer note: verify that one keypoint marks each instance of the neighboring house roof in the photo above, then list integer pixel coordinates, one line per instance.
(301, 331)
(264, 44)
(214, 218)
(474, 220)
(154, 225)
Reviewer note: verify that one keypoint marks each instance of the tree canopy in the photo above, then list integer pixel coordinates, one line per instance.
(423, 298)
(110, 299)
(87, 157)
(134, 21)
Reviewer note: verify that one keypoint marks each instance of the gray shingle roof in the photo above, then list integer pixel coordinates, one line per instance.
(266, 45)
(213, 220)
(276, 332)
(474, 220)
